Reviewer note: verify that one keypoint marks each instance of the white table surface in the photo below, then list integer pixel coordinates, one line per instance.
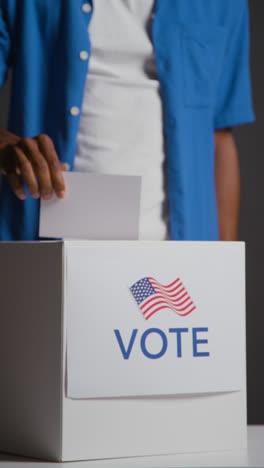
(253, 458)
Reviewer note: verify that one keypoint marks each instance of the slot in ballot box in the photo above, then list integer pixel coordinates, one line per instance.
(119, 349)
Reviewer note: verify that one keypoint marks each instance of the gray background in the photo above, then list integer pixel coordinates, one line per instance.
(248, 139)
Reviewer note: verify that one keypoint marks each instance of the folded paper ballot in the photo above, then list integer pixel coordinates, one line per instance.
(101, 207)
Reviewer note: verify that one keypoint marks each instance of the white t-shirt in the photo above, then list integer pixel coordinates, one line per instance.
(121, 126)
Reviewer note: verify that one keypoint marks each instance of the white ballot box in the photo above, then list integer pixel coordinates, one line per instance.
(119, 349)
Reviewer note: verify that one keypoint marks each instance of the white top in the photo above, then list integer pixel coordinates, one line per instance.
(121, 125)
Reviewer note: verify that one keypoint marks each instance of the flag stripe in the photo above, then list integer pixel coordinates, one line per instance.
(158, 296)
(165, 287)
(174, 287)
(167, 290)
(143, 307)
(152, 296)
(173, 299)
(175, 290)
(169, 293)
(159, 308)
(166, 303)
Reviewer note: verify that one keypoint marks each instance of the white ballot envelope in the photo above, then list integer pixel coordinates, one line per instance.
(96, 206)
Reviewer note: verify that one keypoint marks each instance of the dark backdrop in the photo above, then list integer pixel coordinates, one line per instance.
(250, 144)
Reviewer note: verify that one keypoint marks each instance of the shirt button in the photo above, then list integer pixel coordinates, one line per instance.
(83, 55)
(86, 8)
(74, 110)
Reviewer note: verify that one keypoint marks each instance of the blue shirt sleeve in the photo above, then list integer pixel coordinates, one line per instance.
(234, 101)
(4, 44)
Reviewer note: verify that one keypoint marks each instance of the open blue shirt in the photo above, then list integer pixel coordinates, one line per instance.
(202, 57)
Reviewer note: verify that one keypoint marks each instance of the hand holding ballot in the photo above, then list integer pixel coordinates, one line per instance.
(35, 161)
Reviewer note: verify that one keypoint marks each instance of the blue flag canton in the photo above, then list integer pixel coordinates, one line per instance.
(142, 289)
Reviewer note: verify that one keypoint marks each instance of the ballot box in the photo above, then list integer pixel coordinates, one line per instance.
(118, 349)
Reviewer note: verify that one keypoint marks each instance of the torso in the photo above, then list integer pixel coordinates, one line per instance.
(121, 126)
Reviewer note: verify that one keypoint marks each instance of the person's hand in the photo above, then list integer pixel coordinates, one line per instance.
(36, 162)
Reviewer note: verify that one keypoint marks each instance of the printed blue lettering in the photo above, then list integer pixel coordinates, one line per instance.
(196, 353)
(178, 332)
(126, 353)
(143, 343)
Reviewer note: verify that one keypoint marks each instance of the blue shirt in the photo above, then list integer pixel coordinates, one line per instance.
(202, 58)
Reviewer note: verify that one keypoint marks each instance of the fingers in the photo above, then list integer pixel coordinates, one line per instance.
(26, 170)
(11, 160)
(65, 166)
(40, 169)
(16, 186)
(35, 161)
(47, 149)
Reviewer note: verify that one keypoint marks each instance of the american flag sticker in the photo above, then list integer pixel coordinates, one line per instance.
(151, 296)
